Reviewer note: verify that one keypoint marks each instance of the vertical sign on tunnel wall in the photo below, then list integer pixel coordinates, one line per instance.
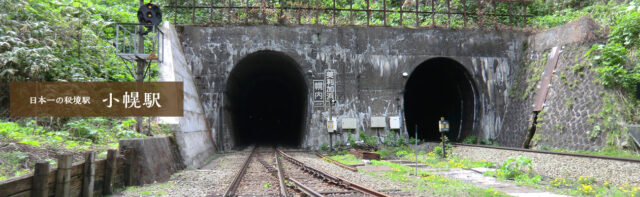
(330, 87)
(318, 93)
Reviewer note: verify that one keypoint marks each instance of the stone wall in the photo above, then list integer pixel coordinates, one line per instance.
(574, 98)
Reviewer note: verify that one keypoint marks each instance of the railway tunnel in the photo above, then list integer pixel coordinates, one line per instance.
(439, 87)
(266, 100)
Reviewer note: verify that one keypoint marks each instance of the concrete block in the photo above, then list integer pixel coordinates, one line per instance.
(195, 147)
(157, 158)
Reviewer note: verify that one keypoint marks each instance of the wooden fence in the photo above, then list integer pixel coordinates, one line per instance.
(88, 178)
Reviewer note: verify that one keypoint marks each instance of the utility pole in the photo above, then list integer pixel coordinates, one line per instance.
(141, 64)
(415, 150)
(331, 122)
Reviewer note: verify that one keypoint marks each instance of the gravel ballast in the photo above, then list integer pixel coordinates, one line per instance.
(549, 165)
(212, 179)
(354, 177)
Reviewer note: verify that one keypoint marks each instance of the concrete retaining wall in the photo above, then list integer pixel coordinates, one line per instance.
(369, 61)
(192, 132)
(156, 159)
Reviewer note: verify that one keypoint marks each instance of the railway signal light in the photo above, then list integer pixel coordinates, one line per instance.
(149, 14)
(443, 126)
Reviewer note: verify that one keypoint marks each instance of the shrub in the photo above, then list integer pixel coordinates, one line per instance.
(471, 139)
(514, 167)
(352, 140)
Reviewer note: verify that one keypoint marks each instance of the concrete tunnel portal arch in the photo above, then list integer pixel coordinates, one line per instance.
(440, 87)
(266, 100)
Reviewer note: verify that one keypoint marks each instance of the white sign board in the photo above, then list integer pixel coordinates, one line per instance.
(331, 125)
(394, 122)
(378, 122)
(349, 123)
(330, 84)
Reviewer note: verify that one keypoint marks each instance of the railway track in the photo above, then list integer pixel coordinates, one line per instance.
(550, 152)
(275, 173)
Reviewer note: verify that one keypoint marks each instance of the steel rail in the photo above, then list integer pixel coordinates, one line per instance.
(283, 189)
(348, 167)
(297, 185)
(329, 177)
(551, 152)
(231, 190)
(305, 189)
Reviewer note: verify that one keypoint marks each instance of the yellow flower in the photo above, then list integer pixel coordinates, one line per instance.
(587, 189)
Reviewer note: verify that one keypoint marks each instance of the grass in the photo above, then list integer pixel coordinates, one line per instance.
(607, 151)
(433, 160)
(347, 159)
(518, 170)
(430, 184)
(23, 142)
(584, 186)
(405, 153)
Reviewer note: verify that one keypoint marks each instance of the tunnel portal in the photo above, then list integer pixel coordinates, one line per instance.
(439, 87)
(266, 100)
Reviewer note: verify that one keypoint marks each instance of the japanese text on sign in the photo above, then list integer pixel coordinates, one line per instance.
(330, 87)
(96, 99)
(318, 92)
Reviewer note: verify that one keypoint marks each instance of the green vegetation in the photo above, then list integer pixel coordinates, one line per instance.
(63, 40)
(607, 151)
(368, 140)
(471, 139)
(347, 159)
(519, 169)
(326, 17)
(430, 184)
(25, 142)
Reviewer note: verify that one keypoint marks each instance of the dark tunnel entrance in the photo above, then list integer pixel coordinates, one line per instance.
(266, 100)
(439, 87)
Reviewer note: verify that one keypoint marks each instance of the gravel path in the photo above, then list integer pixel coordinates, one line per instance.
(212, 179)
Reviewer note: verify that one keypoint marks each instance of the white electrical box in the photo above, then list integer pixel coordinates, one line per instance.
(394, 122)
(349, 123)
(378, 122)
(331, 125)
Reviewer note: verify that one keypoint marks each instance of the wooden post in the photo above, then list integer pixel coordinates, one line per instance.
(89, 174)
(110, 169)
(368, 13)
(130, 156)
(40, 180)
(63, 176)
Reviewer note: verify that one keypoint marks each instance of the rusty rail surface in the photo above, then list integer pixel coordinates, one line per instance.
(308, 191)
(331, 178)
(551, 152)
(279, 172)
(283, 189)
(231, 190)
(348, 167)
(424, 13)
